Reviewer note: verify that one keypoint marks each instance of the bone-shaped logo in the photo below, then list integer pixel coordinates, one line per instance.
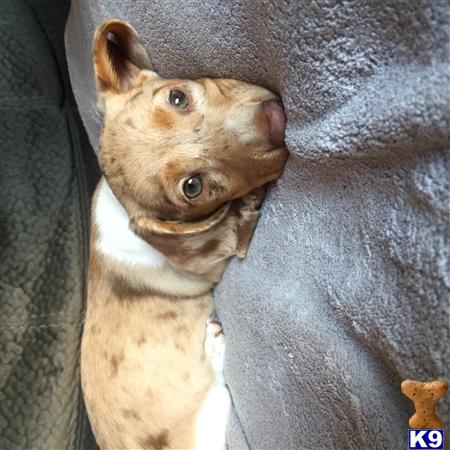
(425, 395)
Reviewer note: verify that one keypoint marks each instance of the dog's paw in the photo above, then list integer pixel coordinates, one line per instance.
(215, 347)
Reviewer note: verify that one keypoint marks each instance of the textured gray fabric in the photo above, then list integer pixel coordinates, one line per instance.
(346, 288)
(44, 207)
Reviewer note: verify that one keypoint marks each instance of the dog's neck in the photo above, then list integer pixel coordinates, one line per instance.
(131, 257)
(116, 240)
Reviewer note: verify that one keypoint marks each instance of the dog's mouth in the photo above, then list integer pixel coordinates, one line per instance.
(205, 222)
(161, 225)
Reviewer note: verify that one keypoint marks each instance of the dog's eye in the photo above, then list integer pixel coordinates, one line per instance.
(192, 187)
(178, 99)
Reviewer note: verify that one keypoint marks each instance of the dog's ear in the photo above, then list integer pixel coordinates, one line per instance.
(118, 56)
(203, 247)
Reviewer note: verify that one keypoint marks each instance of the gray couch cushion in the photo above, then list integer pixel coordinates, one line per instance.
(346, 288)
(43, 233)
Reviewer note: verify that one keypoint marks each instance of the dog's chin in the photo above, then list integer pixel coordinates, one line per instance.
(280, 149)
(279, 154)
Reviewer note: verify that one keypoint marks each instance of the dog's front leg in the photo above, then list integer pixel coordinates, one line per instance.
(213, 417)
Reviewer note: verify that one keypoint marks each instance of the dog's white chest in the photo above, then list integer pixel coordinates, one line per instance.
(115, 239)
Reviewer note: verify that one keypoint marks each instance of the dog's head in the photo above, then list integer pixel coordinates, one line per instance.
(177, 152)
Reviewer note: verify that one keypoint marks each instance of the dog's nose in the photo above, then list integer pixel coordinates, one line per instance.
(276, 120)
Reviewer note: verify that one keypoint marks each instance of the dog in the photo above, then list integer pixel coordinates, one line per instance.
(184, 166)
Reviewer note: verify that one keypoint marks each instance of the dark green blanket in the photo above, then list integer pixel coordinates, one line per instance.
(44, 195)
